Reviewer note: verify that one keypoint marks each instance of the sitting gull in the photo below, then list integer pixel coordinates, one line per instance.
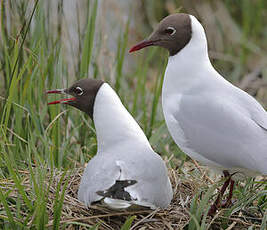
(125, 172)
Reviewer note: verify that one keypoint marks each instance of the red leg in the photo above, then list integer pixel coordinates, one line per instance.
(217, 203)
(228, 202)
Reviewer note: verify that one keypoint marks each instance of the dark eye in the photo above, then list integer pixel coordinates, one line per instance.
(78, 90)
(170, 30)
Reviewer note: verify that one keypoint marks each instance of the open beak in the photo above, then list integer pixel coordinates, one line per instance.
(143, 44)
(61, 101)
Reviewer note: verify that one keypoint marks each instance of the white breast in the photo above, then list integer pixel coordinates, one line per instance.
(171, 106)
(187, 69)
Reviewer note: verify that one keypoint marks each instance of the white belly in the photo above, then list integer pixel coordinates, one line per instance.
(171, 107)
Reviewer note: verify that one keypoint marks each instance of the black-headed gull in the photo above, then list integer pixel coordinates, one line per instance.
(210, 119)
(125, 171)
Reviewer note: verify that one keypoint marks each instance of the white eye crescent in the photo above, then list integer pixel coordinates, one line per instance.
(170, 30)
(78, 91)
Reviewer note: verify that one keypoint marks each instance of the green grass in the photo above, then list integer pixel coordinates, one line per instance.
(34, 137)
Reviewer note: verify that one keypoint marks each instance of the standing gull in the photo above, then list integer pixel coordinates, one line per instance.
(125, 171)
(210, 119)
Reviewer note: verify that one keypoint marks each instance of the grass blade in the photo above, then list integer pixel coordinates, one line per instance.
(128, 223)
(88, 42)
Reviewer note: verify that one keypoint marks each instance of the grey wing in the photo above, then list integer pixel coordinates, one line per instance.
(147, 171)
(254, 108)
(99, 175)
(153, 185)
(222, 131)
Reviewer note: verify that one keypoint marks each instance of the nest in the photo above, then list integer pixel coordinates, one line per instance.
(74, 215)
(75, 211)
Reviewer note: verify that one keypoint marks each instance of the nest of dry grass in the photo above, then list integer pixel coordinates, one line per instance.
(176, 216)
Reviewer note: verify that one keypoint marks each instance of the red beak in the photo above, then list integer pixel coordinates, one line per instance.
(142, 45)
(63, 101)
(59, 91)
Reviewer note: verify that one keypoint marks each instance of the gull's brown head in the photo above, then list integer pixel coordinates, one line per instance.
(173, 33)
(82, 92)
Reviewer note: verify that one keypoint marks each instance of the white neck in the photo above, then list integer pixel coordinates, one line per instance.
(190, 65)
(114, 124)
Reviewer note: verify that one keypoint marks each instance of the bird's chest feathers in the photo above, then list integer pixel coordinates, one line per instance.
(171, 106)
(183, 77)
(178, 79)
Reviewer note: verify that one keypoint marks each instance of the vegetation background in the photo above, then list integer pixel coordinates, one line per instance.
(50, 44)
